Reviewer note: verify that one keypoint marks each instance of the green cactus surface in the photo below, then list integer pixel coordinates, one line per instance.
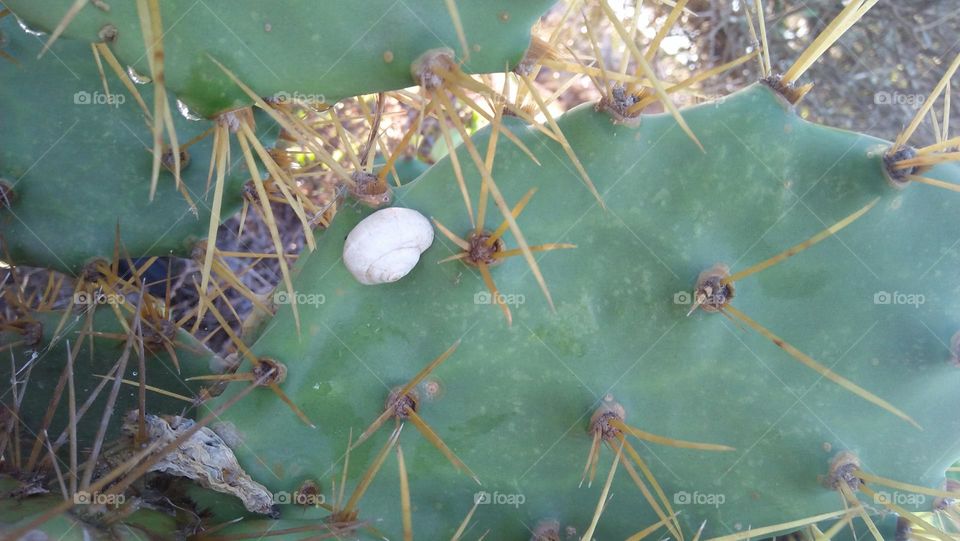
(294, 49)
(875, 303)
(78, 161)
(43, 362)
(81, 525)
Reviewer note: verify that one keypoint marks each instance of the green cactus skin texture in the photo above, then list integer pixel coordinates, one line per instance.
(316, 52)
(141, 524)
(49, 357)
(876, 302)
(407, 169)
(81, 168)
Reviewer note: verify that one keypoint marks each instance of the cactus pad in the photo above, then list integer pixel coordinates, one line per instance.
(872, 302)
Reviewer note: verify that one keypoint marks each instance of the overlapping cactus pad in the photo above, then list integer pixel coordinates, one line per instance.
(299, 52)
(144, 523)
(874, 303)
(78, 161)
(44, 343)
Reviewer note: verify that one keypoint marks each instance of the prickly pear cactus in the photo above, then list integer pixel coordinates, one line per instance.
(518, 404)
(75, 163)
(725, 322)
(22, 505)
(295, 51)
(42, 342)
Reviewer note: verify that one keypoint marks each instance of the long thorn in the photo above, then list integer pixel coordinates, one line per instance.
(647, 436)
(374, 426)
(65, 21)
(286, 400)
(423, 373)
(781, 527)
(219, 159)
(268, 213)
(451, 236)
(284, 183)
(494, 292)
(763, 37)
(837, 27)
(807, 361)
(124, 77)
(457, 170)
(458, 26)
(567, 148)
(591, 457)
(517, 209)
(674, 525)
(906, 487)
(642, 534)
(72, 403)
(927, 104)
(650, 74)
(794, 250)
(701, 76)
(150, 388)
(852, 500)
(371, 472)
(109, 408)
(405, 514)
(435, 440)
(588, 534)
(665, 29)
(466, 521)
(539, 248)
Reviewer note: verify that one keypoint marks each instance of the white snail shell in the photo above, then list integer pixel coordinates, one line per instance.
(386, 245)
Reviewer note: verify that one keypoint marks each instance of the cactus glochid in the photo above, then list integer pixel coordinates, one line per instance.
(716, 322)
